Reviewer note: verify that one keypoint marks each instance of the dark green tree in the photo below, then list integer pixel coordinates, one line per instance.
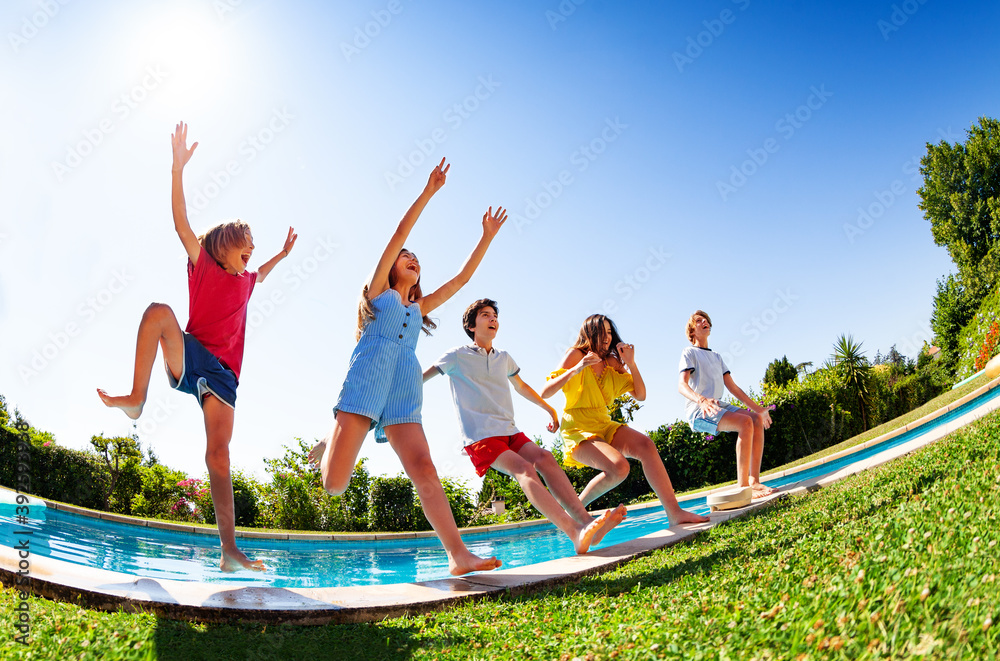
(961, 199)
(123, 457)
(780, 372)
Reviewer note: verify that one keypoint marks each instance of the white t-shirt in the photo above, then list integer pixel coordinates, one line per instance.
(707, 369)
(480, 390)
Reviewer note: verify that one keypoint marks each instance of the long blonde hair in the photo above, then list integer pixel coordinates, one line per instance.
(366, 311)
(222, 238)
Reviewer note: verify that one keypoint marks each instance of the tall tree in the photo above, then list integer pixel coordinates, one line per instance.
(852, 366)
(961, 199)
(779, 372)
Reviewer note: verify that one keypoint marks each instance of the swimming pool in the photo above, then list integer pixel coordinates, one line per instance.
(166, 554)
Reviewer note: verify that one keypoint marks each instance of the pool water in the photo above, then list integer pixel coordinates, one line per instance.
(165, 554)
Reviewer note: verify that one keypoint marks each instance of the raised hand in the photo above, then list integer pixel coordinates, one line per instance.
(290, 241)
(626, 352)
(492, 222)
(438, 177)
(179, 142)
(589, 359)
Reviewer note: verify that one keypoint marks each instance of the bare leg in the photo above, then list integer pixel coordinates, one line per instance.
(338, 452)
(219, 431)
(581, 534)
(613, 466)
(757, 456)
(749, 449)
(158, 327)
(638, 446)
(410, 445)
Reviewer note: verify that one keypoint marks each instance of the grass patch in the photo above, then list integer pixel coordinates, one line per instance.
(898, 562)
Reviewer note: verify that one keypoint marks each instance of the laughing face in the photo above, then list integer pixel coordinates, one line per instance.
(407, 267)
(238, 257)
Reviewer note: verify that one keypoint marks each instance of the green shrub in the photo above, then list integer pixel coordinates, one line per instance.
(391, 504)
(159, 492)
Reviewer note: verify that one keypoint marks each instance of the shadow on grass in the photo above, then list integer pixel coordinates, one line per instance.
(184, 641)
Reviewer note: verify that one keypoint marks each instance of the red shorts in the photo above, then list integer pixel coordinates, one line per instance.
(483, 453)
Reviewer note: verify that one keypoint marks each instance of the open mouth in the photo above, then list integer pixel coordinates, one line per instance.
(246, 258)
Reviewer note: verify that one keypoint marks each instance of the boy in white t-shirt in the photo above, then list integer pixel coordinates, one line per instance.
(703, 376)
(481, 377)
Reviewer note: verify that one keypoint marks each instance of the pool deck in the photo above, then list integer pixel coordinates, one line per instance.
(212, 602)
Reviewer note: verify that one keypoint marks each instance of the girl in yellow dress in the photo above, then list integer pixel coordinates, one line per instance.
(598, 368)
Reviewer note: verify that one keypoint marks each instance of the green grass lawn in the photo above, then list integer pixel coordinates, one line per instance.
(898, 562)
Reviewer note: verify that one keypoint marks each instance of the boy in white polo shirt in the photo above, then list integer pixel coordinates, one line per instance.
(480, 377)
(703, 376)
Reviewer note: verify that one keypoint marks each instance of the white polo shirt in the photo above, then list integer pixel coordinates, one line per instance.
(480, 390)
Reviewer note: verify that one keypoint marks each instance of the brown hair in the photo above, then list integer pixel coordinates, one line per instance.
(222, 238)
(590, 336)
(366, 311)
(471, 312)
(690, 324)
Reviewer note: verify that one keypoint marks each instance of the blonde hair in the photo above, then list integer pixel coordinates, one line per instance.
(222, 238)
(366, 311)
(690, 324)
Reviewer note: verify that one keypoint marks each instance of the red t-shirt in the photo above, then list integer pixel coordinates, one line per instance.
(217, 309)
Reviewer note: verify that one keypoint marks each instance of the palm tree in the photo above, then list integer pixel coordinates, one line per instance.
(852, 366)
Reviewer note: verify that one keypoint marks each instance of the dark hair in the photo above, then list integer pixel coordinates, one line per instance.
(590, 336)
(366, 311)
(471, 312)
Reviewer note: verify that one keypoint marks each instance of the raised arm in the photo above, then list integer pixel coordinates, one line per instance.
(627, 353)
(526, 391)
(492, 222)
(738, 393)
(181, 156)
(380, 278)
(271, 263)
(573, 363)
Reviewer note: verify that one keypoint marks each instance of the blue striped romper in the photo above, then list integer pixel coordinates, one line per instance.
(384, 381)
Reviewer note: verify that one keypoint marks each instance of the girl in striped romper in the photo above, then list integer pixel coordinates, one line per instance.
(383, 388)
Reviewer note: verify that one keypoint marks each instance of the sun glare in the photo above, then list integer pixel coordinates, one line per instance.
(190, 47)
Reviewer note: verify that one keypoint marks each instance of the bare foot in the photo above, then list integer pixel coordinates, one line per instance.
(131, 405)
(316, 454)
(598, 528)
(236, 560)
(470, 563)
(683, 516)
(761, 490)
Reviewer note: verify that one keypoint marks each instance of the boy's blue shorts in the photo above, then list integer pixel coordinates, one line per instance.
(710, 424)
(203, 374)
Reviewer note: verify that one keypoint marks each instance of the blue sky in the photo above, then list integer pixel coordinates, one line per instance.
(656, 158)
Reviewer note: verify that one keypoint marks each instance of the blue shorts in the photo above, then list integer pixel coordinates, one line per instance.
(203, 374)
(384, 383)
(710, 424)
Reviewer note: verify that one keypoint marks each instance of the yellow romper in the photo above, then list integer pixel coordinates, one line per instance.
(586, 415)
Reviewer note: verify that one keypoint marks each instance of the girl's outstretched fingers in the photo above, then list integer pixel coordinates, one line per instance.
(290, 241)
(438, 176)
(492, 222)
